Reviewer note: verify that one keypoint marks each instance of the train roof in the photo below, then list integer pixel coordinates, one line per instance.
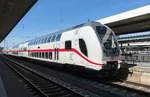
(31, 42)
(89, 23)
(61, 31)
(16, 46)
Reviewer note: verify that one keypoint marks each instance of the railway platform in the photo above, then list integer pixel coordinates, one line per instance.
(10, 84)
(138, 74)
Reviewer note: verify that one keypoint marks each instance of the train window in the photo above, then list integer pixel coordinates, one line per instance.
(50, 55)
(28, 53)
(29, 43)
(45, 39)
(33, 42)
(101, 31)
(49, 39)
(83, 47)
(46, 55)
(42, 40)
(33, 54)
(38, 55)
(38, 41)
(68, 45)
(58, 37)
(42, 54)
(24, 49)
(53, 38)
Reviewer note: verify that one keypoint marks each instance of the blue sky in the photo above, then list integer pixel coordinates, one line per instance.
(51, 15)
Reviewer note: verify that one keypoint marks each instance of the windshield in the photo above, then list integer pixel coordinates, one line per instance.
(108, 40)
(101, 31)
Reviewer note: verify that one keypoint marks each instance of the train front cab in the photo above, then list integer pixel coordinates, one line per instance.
(110, 48)
(100, 46)
(95, 45)
(84, 51)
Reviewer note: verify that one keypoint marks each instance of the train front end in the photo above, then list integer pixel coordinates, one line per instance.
(110, 48)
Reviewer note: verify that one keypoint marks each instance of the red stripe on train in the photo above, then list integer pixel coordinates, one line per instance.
(61, 50)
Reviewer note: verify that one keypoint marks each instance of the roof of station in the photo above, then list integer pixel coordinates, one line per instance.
(11, 12)
(137, 20)
(135, 39)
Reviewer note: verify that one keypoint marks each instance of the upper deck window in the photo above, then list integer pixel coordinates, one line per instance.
(38, 41)
(58, 37)
(45, 39)
(49, 39)
(41, 41)
(53, 38)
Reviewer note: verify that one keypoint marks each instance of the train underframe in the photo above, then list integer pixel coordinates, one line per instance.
(108, 70)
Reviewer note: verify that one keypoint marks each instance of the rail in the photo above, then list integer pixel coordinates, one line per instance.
(44, 87)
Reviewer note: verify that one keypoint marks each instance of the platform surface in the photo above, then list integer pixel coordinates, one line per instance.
(10, 84)
(2, 89)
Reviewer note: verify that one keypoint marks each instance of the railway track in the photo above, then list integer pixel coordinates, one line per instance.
(43, 87)
(96, 87)
(137, 89)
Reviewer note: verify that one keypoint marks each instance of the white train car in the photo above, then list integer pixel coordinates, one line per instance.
(90, 45)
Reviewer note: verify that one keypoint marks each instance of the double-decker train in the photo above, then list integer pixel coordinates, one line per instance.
(90, 45)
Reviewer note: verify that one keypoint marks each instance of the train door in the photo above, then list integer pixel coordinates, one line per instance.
(68, 55)
(80, 46)
(56, 51)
